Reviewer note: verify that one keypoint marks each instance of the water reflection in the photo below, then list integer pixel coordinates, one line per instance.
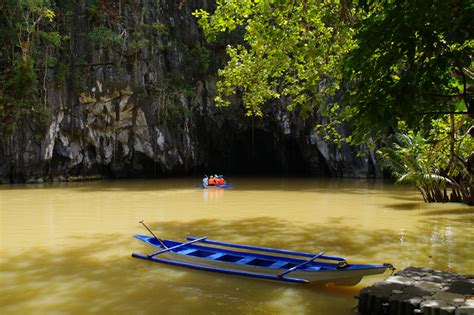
(212, 194)
(62, 245)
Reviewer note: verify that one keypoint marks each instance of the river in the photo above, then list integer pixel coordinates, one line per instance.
(65, 247)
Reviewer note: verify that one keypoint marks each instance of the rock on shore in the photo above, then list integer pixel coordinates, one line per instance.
(417, 290)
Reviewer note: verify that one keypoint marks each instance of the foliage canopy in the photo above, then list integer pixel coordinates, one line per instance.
(292, 49)
(412, 62)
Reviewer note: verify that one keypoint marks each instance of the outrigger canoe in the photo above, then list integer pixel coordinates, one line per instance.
(316, 268)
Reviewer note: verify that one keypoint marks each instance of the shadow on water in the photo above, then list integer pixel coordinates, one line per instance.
(415, 198)
(458, 211)
(272, 232)
(99, 276)
(404, 206)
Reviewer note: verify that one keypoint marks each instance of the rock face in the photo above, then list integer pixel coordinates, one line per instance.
(142, 106)
(416, 290)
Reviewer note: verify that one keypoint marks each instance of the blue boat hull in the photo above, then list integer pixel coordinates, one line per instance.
(225, 186)
(257, 265)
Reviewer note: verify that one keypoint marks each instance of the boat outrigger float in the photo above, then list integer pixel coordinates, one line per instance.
(319, 268)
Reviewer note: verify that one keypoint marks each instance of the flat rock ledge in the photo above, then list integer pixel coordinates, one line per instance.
(416, 290)
(80, 178)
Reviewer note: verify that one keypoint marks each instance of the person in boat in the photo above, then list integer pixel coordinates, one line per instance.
(205, 181)
(212, 181)
(221, 180)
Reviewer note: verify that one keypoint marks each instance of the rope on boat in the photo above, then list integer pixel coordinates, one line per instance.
(342, 265)
(391, 267)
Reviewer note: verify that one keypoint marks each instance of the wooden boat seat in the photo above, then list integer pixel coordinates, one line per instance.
(245, 260)
(215, 256)
(278, 264)
(186, 251)
(314, 268)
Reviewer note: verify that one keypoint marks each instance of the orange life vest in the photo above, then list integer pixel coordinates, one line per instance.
(212, 181)
(221, 181)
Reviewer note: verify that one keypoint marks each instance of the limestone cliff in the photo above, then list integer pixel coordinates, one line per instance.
(140, 105)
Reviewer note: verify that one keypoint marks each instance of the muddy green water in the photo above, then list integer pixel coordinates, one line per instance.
(65, 248)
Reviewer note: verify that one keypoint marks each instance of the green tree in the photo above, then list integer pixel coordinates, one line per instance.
(412, 61)
(292, 49)
(423, 159)
(23, 26)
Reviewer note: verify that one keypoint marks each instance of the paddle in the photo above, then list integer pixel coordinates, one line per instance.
(159, 240)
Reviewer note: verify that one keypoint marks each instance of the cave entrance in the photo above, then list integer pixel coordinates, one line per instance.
(260, 154)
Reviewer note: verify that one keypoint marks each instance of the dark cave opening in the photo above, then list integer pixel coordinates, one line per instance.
(258, 153)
